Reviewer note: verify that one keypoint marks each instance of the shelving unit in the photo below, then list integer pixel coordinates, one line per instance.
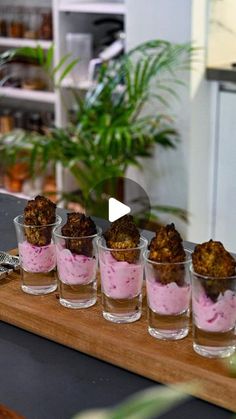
(77, 16)
(92, 7)
(141, 23)
(31, 95)
(14, 98)
(65, 14)
(69, 83)
(20, 42)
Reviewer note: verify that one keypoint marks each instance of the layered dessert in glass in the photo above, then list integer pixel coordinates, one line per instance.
(213, 300)
(168, 285)
(122, 268)
(77, 261)
(36, 249)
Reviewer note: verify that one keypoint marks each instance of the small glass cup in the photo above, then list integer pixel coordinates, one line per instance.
(37, 263)
(77, 273)
(168, 297)
(121, 282)
(214, 315)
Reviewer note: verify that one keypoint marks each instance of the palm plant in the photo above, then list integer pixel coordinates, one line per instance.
(114, 129)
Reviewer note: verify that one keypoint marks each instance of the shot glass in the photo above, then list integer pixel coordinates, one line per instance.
(121, 282)
(214, 315)
(168, 297)
(77, 273)
(37, 263)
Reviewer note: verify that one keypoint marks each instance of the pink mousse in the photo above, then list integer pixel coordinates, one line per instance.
(37, 258)
(75, 269)
(218, 316)
(120, 279)
(169, 299)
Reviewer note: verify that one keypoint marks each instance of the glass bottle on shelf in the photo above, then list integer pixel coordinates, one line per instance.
(35, 122)
(45, 30)
(15, 176)
(16, 25)
(19, 120)
(32, 22)
(15, 173)
(6, 121)
(3, 21)
(9, 15)
(48, 121)
(35, 78)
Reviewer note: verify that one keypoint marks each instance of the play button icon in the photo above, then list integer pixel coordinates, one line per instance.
(117, 209)
(114, 197)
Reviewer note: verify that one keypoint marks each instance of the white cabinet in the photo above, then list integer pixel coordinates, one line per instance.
(224, 216)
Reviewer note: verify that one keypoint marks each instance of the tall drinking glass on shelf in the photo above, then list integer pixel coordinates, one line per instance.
(79, 45)
(121, 282)
(37, 263)
(168, 297)
(77, 272)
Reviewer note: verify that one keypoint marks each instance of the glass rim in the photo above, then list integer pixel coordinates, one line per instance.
(206, 277)
(56, 223)
(92, 236)
(141, 246)
(188, 252)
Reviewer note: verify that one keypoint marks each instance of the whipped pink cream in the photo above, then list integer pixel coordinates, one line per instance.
(218, 316)
(169, 299)
(37, 258)
(75, 269)
(120, 279)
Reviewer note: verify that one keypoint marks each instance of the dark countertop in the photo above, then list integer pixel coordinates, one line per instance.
(222, 73)
(44, 380)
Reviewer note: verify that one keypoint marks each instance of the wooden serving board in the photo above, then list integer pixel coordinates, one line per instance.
(128, 346)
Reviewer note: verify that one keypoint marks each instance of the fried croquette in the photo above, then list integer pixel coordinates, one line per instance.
(39, 212)
(212, 260)
(123, 234)
(167, 249)
(167, 245)
(78, 225)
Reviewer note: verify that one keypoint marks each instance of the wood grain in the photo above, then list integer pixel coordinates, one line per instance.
(128, 346)
(6, 413)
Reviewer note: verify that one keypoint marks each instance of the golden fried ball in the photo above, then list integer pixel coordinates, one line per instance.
(212, 259)
(123, 234)
(39, 212)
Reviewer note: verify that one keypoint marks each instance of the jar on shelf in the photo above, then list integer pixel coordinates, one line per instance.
(16, 29)
(34, 122)
(19, 120)
(45, 29)
(32, 22)
(48, 121)
(35, 78)
(15, 176)
(6, 122)
(3, 21)
(16, 173)
(8, 18)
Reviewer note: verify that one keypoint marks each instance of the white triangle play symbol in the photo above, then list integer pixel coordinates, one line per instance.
(117, 209)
